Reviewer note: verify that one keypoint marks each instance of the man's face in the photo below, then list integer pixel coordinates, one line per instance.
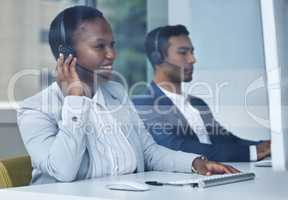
(94, 45)
(180, 59)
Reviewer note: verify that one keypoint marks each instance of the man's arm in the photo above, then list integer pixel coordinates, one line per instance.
(220, 135)
(169, 133)
(217, 152)
(164, 159)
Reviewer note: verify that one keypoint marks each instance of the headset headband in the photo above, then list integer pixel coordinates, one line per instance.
(62, 30)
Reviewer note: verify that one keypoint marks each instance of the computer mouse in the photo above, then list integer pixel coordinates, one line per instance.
(128, 186)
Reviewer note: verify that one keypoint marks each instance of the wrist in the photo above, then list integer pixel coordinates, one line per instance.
(75, 92)
(197, 162)
(75, 89)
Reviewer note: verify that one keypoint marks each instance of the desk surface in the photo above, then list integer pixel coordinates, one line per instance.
(267, 185)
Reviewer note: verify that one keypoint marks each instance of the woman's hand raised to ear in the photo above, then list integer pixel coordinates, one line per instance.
(68, 79)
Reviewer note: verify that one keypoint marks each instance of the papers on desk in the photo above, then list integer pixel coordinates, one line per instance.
(12, 194)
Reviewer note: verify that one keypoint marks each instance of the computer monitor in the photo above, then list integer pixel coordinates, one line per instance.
(275, 29)
(277, 93)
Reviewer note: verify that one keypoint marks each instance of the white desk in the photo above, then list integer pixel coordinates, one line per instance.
(267, 185)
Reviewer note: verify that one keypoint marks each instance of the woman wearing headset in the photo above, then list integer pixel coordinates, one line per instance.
(83, 125)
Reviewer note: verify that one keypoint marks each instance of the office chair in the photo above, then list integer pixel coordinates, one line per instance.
(15, 172)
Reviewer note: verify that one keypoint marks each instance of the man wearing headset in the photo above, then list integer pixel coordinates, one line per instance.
(183, 122)
(84, 125)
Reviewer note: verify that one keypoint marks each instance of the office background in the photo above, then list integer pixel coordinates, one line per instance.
(227, 34)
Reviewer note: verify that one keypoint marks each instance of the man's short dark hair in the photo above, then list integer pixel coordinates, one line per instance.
(162, 34)
(72, 17)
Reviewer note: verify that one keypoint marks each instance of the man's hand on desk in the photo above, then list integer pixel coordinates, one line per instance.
(263, 150)
(205, 167)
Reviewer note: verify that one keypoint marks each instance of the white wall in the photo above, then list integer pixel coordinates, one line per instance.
(230, 70)
(157, 15)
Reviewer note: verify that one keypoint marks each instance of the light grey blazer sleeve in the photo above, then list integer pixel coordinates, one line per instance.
(56, 147)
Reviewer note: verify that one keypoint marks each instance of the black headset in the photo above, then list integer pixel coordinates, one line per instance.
(64, 47)
(157, 56)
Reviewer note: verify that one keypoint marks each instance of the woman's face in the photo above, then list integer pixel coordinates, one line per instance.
(94, 46)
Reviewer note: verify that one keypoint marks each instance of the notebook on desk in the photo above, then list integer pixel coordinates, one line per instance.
(209, 181)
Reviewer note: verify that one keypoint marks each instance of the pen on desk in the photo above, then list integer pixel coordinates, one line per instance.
(156, 183)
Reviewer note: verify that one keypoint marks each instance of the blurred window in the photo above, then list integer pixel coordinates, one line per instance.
(25, 53)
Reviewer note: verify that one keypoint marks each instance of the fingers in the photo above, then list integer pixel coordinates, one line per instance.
(208, 168)
(66, 69)
(223, 169)
(66, 66)
(233, 170)
(208, 173)
(73, 68)
(217, 168)
(59, 68)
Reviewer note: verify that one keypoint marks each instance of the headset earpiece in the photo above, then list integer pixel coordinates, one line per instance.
(156, 58)
(64, 48)
(66, 51)
(156, 55)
